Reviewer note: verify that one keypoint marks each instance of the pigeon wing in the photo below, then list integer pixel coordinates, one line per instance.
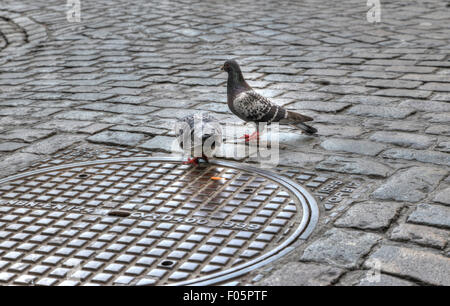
(252, 106)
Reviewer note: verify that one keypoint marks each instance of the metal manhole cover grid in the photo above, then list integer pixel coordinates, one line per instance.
(182, 226)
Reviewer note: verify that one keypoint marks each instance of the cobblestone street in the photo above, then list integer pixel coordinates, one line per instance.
(379, 94)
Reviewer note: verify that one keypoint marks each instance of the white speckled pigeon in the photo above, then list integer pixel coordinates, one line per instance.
(248, 105)
(199, 135)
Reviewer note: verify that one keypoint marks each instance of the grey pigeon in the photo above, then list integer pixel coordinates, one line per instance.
(199, 136)
(250, 106)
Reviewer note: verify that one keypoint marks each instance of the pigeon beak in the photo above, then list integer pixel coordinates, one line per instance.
(222, 68)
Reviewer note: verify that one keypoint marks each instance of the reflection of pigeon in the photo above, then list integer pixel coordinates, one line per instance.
(248, 105)
(199, 136)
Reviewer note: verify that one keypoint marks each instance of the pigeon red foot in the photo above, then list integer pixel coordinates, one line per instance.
(247, 137)
(195, 160)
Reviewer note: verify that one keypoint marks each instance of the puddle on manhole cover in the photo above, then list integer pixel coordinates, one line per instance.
(146, 221)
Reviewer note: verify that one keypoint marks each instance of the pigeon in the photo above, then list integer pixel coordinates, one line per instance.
(250, 106)
(199, 136)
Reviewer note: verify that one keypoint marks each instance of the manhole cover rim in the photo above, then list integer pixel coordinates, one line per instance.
(303, 231)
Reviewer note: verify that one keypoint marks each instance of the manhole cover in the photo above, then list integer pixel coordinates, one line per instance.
(146, 221)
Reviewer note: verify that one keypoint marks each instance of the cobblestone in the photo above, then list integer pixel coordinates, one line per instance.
(381, 111)
(443, 196)
(343, 248)
(419, 155)
(417, 264)
(117, 138)
(369, 215)
(11, 146)
(353, 146)
(378, 93)
(53, 144)
(15, 162)
(367, 278)
(433, 215)
(27, 135)
(354, 166)
(411, 185)
(319, 106)
(404, 139)
(302, 274)
(422, 235)
(160, 143)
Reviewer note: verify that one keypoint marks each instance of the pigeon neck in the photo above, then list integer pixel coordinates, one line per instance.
(236, 84)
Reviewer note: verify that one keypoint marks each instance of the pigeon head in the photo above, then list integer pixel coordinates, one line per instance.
(231, 66)
(236, 81)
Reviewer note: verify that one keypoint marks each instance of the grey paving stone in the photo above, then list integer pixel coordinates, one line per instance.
(33, 112)
(298, 159)
(417, 264)
(426, 77)
(432, 215)
(10, 146)
(426, 106)
(139, 129)
(64, 125)
(437, 117)
(338, 130)
(353, 146)
(174, 113)
(26, 135)
(398, 125)
(375, 75)
(202, 82)
(405, 93)
(371, 278)
(161, 143)
(302, 52)
(117, 138)
(329, 72)
(129, 99)
(354, 166)
(80, 115)
(369, 215)
(346, 89)
(414, 141)
(89, 96)
(443, 96)
(393, 84)
(285, 78)
(423, 235)
(435, 86)
(389, 62)
(119, 108)
(433, 157)
(318, 106)
(95, 128)
(367, 99)
(53, 144)
(343, 248)
(443, 196)
(443, 146)
(381, 111)
(438, 129)
(384, 280)
(410, 185)
(411, 69)
(11, 164)
(308, 96)
(214, 107)
(302, 274)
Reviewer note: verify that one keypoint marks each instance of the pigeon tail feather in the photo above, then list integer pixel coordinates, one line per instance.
(296, 117)
(306, 128)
